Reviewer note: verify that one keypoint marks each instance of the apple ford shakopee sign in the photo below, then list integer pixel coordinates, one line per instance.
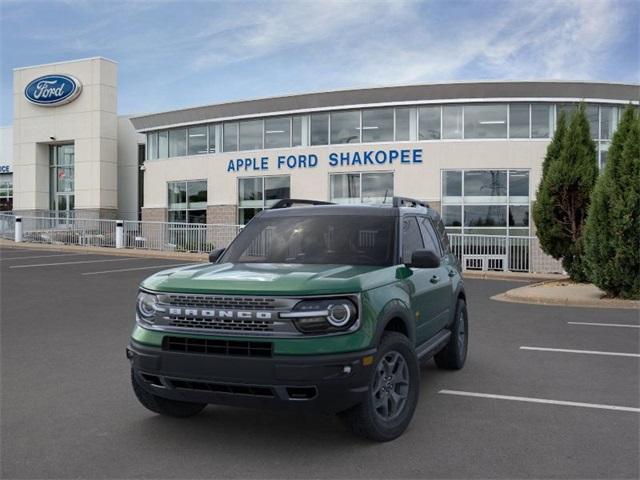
(53, 90)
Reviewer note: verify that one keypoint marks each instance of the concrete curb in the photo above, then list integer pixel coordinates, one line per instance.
(514, 276)
(126, 252)
(567, 296)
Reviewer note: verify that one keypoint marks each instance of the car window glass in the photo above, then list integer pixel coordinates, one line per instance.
(411, 238)
(430, 238)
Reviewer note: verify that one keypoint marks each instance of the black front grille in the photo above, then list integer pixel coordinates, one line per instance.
(214, 302)
(218, 347)
(227, 324)
(253, 390)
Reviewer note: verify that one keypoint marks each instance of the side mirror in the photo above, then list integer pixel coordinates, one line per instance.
(215, 255)
(424, 259)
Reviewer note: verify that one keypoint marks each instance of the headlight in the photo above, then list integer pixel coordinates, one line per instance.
(146, 306)
(323, 316)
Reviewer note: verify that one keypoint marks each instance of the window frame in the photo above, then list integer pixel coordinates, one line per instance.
(186, 210)
(360, 174)
(263, 199)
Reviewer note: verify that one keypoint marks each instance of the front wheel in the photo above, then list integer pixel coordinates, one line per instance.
(392, 395)
(454, 354)
(164, 406)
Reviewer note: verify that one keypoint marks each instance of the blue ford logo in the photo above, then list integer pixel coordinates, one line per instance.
(53, 90)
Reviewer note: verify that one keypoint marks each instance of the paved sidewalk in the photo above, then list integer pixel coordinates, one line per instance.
(566, 293)
(128, 252)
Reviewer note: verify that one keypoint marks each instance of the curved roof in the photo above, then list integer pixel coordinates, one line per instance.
(408, 94)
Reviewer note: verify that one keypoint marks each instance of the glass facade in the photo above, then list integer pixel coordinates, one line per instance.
(345, 127)
(373, 187)
(382, 124)
(257, 193)
(487, 202)
(485, 121)
(61, 179)
(377, 125)
(187, 201)
(6, 192)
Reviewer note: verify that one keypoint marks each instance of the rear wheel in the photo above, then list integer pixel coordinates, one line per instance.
(164, 406)
(393, 392)
(453, 356)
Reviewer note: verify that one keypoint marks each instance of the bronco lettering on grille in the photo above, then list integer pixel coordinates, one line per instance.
(209, 313)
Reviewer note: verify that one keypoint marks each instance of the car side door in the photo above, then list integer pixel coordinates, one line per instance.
(440, 279)
(419, 284)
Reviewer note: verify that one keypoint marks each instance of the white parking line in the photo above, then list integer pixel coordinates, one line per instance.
(622, 325)
(42, 256)
(588, 352)
(75, 263)
(542, 400)
(140, 268)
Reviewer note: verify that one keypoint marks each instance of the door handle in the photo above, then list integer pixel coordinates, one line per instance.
(452, 273)
(435, 279)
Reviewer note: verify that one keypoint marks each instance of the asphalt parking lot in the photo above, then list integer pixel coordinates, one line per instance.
(68, 410)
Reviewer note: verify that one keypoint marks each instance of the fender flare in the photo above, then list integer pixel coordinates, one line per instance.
(395, 309)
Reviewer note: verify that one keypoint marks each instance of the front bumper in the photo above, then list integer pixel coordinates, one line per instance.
(323, 383)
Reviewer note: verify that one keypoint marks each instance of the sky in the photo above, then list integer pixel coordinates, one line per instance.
(176, 54)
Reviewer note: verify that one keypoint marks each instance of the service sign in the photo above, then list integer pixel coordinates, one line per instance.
(53, 90)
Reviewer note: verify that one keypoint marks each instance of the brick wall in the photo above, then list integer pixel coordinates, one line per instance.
(222, 214)
(154, 214)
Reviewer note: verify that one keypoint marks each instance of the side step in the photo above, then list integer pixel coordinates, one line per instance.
(432, 346)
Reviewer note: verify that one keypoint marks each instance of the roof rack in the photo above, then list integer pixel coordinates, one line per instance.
(409, 202)
(292, 202)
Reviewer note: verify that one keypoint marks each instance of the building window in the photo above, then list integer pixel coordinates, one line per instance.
(277, 132)
(152, 146)
(487, 202)
(197, 140)
(519, 120)
(62, 175)
(485, 121)
(377, 125)
(188, 201)
(541, 120)
(320, 129)
(608, 122)
(178, 142)
(212, 138)
(257, 193)
(296, 131)
(6, 192)
(452, 121)
(251, 135)
(345, 127)
(592, 112)
(163, 144)
(403, 124)
(230, 137)
(374, 187)
(429, 123)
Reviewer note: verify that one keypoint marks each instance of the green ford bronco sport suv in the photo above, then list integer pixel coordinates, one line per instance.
(318, 307)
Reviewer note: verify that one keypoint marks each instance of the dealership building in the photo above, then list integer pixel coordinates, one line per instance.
(473, 150)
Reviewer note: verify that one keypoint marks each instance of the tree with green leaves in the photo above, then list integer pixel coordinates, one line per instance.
(570, 171)
(612, 233)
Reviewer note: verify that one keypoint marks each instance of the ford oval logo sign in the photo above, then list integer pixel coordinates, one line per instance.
(53, 90)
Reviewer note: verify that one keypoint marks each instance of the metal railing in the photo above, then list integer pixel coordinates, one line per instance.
(476, 252)
(7, 226)
(183, 237)
(502, 253)
(69, 231)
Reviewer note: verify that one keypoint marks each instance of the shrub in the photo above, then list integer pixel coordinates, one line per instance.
(612, 242)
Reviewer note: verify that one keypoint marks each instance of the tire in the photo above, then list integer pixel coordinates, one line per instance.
(164, 406)
(454, 354)
(368, 420)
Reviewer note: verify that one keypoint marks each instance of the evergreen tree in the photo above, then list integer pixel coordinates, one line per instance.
(563, 197)
(612, 233)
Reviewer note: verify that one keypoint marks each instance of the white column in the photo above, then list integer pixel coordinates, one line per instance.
(119, 234)
(18, 230)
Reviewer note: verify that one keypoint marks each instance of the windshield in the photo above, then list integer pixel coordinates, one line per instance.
(316, 239)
